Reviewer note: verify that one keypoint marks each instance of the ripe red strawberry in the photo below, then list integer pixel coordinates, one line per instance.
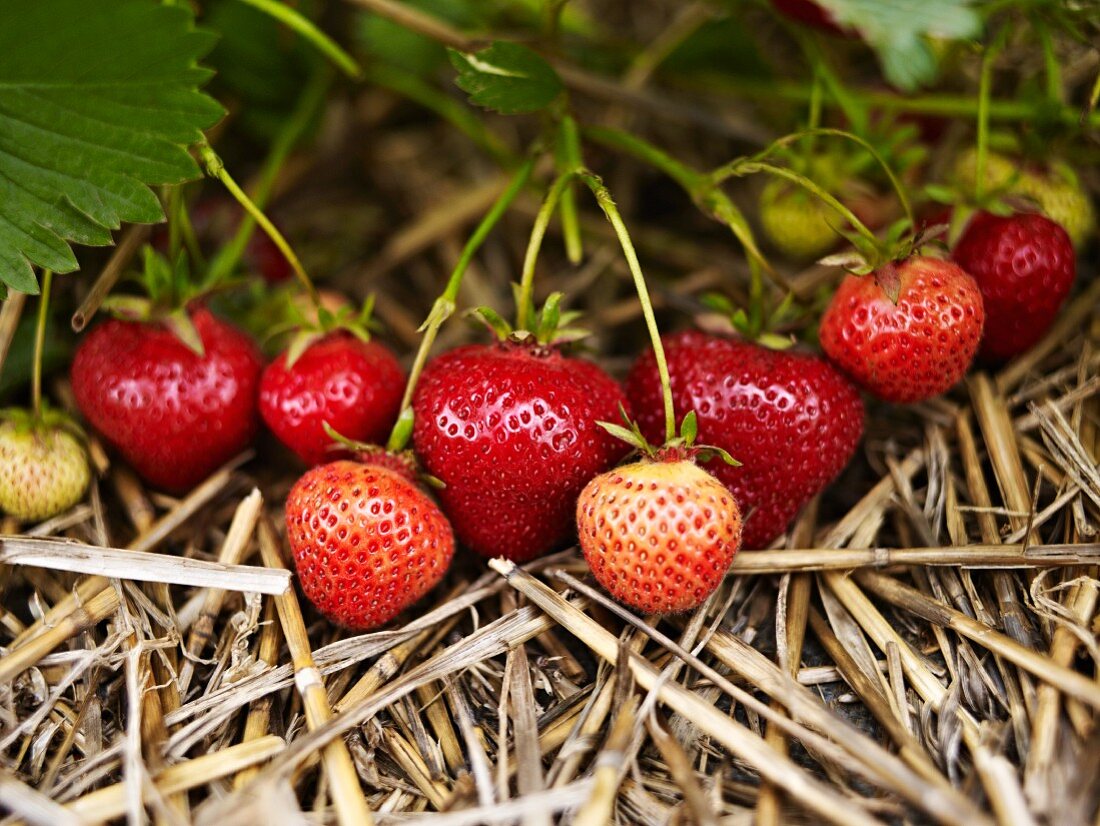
(353, 385)
(911, 349)
(811, 14)
(660, 534)
(791, 419)
(173, 414)
(367, 542)
(1024, 265)
(510, 429)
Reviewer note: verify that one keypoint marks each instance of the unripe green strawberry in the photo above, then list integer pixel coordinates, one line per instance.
(43, 468)
(1062, 198)
(1056, 189)
(659, 534)
(796, 223)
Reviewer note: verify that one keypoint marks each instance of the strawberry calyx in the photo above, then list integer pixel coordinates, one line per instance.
(760, 323)
(45, 420)
(681, 447)
(170, 293)
(551, 326)
(402, 462)
(308, 330)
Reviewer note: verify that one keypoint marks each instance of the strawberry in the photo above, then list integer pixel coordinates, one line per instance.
(1055, 188)
(43, 467)
(811, 14)
(1024, 265)
(798, 225)
(353, 385)
(912, 347)
(659, 534)
(367, 542)
(175, 415)
(510, 429)
(791, 418)
(1062, 198)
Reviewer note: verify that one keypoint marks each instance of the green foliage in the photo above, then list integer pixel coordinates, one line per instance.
(261, 66)
(390, 43)
(899, 32)
(97, 102)
(506, 77)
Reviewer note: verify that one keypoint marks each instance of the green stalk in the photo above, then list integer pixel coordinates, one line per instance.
(569, 159)
(216, 169)
(289, 135)
(985, 85)
(534, 244)
(444, 306)
(607, 204)
(294, 20)
(804, 182)
(40, 344)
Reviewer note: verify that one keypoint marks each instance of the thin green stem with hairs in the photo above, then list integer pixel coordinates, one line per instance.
(611, 211)
(296, 22)
(216, 169)
(444, 306)
(534, 245)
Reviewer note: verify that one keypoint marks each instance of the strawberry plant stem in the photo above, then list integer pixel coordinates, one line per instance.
(534, 244)
(294, 20)
(291, 132)
(607, 204)
(569, 158)
(444, 306)
(216, 169)
(40, 343)
(984, 85)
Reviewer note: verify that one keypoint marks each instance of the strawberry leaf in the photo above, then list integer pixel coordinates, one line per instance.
(899, 32)
(98, 101)
(507, 78)
(689, 428)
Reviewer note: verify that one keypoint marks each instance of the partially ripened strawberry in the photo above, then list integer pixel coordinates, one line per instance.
(354, 386)
(510, 429)
(907, 331)
(1024, 265)
(367, 542)
(790, 418)
(43, 467)
(659, 534)
(175, 415)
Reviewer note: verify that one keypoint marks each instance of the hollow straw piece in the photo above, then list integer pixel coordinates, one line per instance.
(110, 802)
(347, 795)
(132, 239)
(1065, 679)
(775, 768)
(259, 712)
(139, 566)
(188, 507)
(10, 311)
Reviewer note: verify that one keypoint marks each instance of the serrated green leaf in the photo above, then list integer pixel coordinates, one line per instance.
(899, 32)
(98, 101)
(506, 77)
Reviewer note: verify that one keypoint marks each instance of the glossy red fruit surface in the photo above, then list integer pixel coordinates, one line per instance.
(173, 414)
(1025, 266)
(510, 429)
(914, 349)
(355, 386)
(658, 535)
(791, 419)
(367, 542)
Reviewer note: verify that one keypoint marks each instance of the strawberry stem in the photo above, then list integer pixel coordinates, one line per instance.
(289, 135)
(444, 306)
(216, 169)
(40, 344)
(985, 84)
(569, 159)
(607, 204)
(534, 244)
